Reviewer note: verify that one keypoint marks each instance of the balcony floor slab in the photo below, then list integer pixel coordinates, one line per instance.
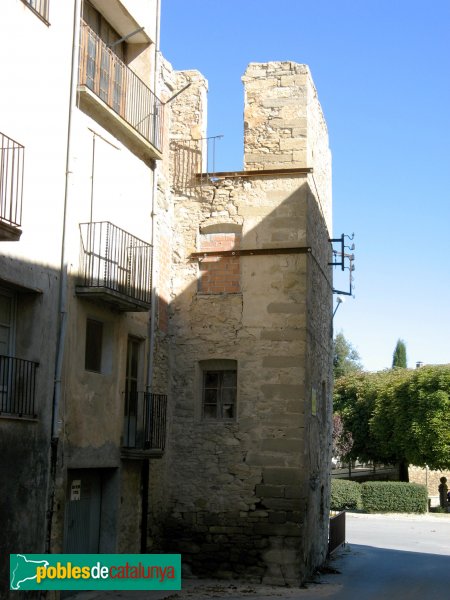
(112, 297)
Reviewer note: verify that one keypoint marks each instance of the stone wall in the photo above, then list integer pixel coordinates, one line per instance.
(428, 477)
(247, 496)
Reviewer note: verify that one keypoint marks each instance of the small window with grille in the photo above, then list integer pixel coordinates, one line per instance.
(219, 389)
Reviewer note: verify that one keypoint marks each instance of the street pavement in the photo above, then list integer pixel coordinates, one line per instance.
(387, 557)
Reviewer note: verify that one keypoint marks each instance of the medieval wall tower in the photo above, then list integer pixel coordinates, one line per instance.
(246, 471)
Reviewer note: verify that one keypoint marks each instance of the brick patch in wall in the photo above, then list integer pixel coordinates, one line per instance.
(219, 274)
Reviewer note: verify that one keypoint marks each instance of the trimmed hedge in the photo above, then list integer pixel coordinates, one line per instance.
(345, 495)
(394, 496)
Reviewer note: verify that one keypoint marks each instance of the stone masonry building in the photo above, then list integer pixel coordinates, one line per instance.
(246, 474)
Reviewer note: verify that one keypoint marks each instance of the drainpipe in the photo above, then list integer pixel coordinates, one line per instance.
(150, 364)
(151, 325)
(63, 282)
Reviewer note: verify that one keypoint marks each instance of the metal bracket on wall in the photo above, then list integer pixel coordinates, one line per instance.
(343, 259)
(252, 252)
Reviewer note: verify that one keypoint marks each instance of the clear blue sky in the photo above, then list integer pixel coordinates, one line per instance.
(382, 71)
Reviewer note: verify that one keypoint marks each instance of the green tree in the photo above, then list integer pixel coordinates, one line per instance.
(398, 416)
(399, 356)
(346, 359)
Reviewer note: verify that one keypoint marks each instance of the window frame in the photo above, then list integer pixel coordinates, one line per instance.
(11, 324)
(218, 369)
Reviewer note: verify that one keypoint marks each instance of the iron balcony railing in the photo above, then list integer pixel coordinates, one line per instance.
(11, 181)
(40, 7)
(102, 71)
(112, 259)
(17, 387)
(145, 421)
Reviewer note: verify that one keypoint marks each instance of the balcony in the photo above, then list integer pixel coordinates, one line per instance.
(39, 7)
(115, 267)
(144, 425)
(11, 184)
(117, 98)
(17, 387)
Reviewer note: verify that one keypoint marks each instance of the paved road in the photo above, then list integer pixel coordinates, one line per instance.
(386, 558)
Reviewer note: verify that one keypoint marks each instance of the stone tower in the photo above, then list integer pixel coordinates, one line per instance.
(247, 469)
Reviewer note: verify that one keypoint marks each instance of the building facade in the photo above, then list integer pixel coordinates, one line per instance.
(166, 341)
(81, 414)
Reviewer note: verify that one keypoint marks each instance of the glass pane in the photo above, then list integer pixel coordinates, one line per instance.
(228, 396)
(5, 310)
(91, 62)
(228, 411)
(4, 340)
(210, 397)
(132, 359)
(229, 378)
(209, 411)
(211, 379)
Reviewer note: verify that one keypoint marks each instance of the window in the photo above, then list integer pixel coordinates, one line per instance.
(7, 306)
(104, 61)
(131, 392)
(219, 389)
(17, 376)
(94, 343)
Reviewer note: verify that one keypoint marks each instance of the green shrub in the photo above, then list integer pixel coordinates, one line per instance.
(394, 496)
(345, 495)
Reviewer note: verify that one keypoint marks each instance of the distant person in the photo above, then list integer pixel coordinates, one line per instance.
(443, 492)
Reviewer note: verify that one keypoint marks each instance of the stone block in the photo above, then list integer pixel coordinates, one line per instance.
(299, 156)
(225, 530)
(293, 491)
(282, 335)
(284, 223)
(257, 459)
(295, 79)
(297, 406)
(295, 143)
(278, 529)
(281, 445)
(282, 476)
(293, 308)
(281, 556)
(284, 504)
(276, 102)
(269, 491)
(282, 361)
(277, 517)
(279, 123)
(296, 516)
(282, 390)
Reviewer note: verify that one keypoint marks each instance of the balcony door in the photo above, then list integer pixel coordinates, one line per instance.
(7, 314)
(104, 65)
(7, 310)
(131, 393)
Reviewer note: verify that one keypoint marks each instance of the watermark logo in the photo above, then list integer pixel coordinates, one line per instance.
(95, 571)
